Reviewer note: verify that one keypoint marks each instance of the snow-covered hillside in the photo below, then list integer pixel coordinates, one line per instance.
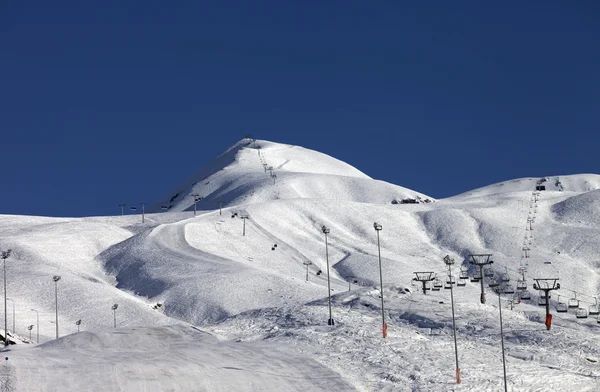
(262, 282)
(254, 171)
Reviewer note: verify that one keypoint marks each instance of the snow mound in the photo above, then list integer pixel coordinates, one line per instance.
(581, 209)
(254, 171)
(162, 359)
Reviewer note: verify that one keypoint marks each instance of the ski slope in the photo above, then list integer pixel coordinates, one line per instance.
(250, 285)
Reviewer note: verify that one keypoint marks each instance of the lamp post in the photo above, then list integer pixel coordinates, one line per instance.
(56, 278)
(122, 205)
(326, 231)
(496, 288)
(220, 207)
(37, 325)
(78, 323)
(13, 302)
(307, 263)
(449, 261)
(378, 228)
(29, 329)
(197, 198)
(244, 217)
(143, 203)
(5, 255)
(114, 309)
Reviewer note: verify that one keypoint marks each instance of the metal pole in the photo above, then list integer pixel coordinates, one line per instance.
(482, 299)
(547, 306)
(38, 324)
(307, 272)
(115, 317)
(244, 232)
(381, 283)
(143, 211)
(5, 307)
(13, 317)
(56, 300)
(502, 340)
(330, 322)
(220, 207)
(454, 325)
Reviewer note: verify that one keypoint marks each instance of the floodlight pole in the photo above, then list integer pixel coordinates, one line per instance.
(114, 309)
(37, 325)
(502, 338)
(307, 263)
(5, 255)
(196, 198)
(13, 302)
(449, 262)
(29, 329)
(143, 203)
(326, 231)
(56, 278)
(220, 207)
(122, 205)
(378, 228)
(480, 261)
(78, 323)
(244, 217)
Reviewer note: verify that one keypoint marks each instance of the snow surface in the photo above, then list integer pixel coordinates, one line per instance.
(249, 294)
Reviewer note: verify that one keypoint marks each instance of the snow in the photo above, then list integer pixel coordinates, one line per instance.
(251, 308)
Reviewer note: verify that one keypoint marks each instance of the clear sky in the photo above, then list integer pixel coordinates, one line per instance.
(108, 102)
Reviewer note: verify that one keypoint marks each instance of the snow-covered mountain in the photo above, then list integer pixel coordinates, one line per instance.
(263, 281)
(253, 171)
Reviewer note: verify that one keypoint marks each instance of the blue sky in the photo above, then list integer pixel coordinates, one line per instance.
(103, 102)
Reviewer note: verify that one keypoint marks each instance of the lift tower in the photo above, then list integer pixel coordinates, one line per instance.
(481, 261)
(546, 285)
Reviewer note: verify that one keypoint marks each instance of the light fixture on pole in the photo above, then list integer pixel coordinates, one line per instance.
(143, 203)
(122, 205)
(307, 263)
(5, 255)
(449, 261)
(326, 231)
(220, 207)
(37, 325)
(378, 228)
(197, 198)
(29, 329)
(13, 302)
(56, 278)
(244, 217)
(114, 309)
(78, 323)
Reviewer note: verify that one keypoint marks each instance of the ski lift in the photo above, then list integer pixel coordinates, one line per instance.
(437, 284)
(598, 319)
(525, 295)
(574, 302)
(509, 289)
(476, 277)
(463, 274)
(561, 307)
(581, 313)
(488, 272)
(542, 299)
(505, 278)
(448, 285)
(461, 283)
(450, 280)
(521, 285)
(594, 309)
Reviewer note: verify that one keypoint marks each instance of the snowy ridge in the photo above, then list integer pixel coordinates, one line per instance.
(255, 171)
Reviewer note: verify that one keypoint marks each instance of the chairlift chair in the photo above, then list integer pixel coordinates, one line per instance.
(450, 280)
(521, 285)
(488, 272)
(581, 313)
(598, 319)
(574, 302)
(437, 284)
(594, 309)
(561, 307)
(542, 299)
(509, 289)
(461, 283)
(476, 278)
(505, 278)
(525, 295)
(463, 275)
(447, 286)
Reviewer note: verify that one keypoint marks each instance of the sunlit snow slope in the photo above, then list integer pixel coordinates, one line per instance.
(264, 280)
(253, 171)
